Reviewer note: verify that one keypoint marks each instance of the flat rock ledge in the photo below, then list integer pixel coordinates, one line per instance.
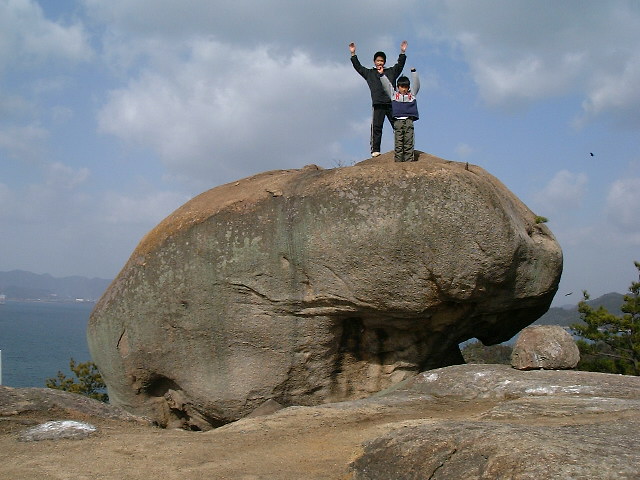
(546, 425)
(458, 422)
(20, 401)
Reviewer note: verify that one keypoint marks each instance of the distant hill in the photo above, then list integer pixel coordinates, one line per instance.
(21, 285)
(565, 316)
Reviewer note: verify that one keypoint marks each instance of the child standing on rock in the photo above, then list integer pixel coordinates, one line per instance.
(404, 109)
(379, 100)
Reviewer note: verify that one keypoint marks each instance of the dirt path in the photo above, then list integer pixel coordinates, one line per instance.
(297, 443)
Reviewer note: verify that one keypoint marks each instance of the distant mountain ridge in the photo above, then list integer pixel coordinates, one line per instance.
(22, 285)
(565, 316)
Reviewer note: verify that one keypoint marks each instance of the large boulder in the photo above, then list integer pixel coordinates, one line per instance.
(307, 286)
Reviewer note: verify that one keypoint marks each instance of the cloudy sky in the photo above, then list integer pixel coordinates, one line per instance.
(113, 114)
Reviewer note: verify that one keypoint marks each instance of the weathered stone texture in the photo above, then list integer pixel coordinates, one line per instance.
(500, 382)
(477, 450)
(306, 286)
(459, 422)
(17, 401)
(547, 425)
(545, 346)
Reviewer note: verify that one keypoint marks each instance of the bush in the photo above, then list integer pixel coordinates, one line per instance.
(597, 357)
(89, 381)
(610, 343)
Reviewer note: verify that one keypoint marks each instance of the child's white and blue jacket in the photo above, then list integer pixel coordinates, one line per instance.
(403, 106)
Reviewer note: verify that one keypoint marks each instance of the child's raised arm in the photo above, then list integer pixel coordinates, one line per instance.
(415, 81)
(386, 85)
(355, 62)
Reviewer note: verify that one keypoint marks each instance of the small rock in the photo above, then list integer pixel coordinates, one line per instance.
(549, 347)
(56, 430)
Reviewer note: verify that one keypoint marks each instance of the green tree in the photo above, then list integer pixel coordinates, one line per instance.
(89, 381)
(610, 343)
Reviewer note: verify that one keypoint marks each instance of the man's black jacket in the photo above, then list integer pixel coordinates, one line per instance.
(371, 75)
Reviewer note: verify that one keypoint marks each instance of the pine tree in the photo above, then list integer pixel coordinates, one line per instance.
(611, 343)
(89, 381)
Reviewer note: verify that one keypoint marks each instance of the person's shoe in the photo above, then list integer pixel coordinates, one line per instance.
(375, 154)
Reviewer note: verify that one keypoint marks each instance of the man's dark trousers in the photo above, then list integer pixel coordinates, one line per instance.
(377, 120)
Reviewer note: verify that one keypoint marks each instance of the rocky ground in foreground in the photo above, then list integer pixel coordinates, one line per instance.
(467, 421)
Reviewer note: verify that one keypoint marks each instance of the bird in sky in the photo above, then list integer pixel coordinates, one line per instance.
(591, 153)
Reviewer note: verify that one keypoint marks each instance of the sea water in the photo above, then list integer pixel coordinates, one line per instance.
(38, 339)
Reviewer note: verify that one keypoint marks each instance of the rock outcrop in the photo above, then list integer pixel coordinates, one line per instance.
(545, 346)
(18, 401)
(480, 450)
(307, 286)
(460, 422)
(548, 425)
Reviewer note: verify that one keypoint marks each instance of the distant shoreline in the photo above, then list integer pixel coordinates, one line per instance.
(48, 300)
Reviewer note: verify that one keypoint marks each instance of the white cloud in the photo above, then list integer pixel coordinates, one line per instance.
(64, 177)
(27, 37)
(616, 92)
(463, 150)
(43, 86)
(146, 209)
(58, 226)
(206, 114)
(522, 80)
(14, 106)
(28, 42)
(6, 199)
(564, 191)
(520, 51)
(61, 114)
(23, 143)
(213, 91)
(56, 200)
(247, 24)
(623, 205)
